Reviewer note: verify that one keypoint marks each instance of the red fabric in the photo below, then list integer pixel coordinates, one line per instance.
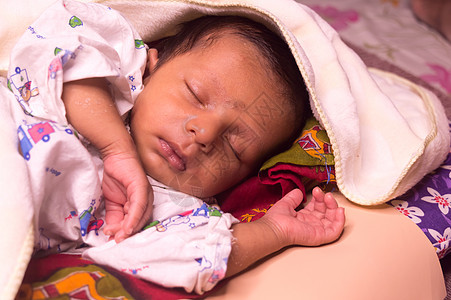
(250, 200)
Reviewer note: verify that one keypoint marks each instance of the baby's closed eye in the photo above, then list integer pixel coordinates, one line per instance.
(239, 137)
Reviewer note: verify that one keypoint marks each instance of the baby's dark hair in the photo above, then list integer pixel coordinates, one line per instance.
(274, 51)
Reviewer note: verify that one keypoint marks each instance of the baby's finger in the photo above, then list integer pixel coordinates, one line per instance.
(112, 189)
(318, 194)
(339, 220)
(126, 207)
(145, 218)
(140, 204)
(335, 224)
(330, 201)
(317, 203)
(120, 236)
(114, 214)
(332, 209)
(111, 229)
(341, 217)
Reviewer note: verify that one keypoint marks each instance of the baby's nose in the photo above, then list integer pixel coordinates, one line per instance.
(206, 130)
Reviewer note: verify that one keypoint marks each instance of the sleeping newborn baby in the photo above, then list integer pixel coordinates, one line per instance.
(202, 111)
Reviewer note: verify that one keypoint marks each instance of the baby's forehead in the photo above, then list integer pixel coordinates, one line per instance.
(239, 47)
(234, 39)
(267, 101)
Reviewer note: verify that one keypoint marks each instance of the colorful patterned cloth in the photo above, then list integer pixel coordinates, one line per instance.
(428, 205)
(64, 276)
(61, 275)
(309, 162)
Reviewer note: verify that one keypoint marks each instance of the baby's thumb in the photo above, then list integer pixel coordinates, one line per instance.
(139, 209)
(293, 198)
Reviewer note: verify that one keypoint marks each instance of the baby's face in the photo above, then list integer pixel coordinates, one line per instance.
(207, 118)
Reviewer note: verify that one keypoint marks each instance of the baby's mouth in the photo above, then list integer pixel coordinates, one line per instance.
(172, 155)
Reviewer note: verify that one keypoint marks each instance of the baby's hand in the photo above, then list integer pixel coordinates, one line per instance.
(128, 195)
(320, 222)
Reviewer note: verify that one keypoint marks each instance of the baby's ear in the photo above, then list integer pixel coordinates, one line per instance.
(152, 59)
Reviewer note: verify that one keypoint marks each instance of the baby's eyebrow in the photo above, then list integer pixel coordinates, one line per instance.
(227, 100)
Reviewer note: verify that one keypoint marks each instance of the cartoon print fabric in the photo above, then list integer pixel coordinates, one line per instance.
(185, 245)
(65, 170)
(90, 41)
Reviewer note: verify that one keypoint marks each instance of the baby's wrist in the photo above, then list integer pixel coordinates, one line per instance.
(253, 241)
(273, 232)
(121, 146)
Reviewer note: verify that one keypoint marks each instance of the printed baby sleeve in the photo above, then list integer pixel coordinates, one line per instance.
(72, 41)
(188, 250)
(65, 185)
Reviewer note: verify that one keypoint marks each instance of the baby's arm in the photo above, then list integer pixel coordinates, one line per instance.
(128, 195)
(320, 222)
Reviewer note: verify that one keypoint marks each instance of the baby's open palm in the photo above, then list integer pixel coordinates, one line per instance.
(320, 222)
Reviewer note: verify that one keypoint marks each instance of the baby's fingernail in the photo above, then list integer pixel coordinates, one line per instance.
(107, 232)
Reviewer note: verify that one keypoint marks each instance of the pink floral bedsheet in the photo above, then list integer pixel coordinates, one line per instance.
(389, 29)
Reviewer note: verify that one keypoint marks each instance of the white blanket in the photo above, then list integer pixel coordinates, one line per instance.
(386, 132)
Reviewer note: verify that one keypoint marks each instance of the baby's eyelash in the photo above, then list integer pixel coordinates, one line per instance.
(227, 137)
(192, 93)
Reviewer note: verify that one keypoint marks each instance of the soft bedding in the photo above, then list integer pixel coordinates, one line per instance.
(390, 30)
(387, 35)
(69, 275)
